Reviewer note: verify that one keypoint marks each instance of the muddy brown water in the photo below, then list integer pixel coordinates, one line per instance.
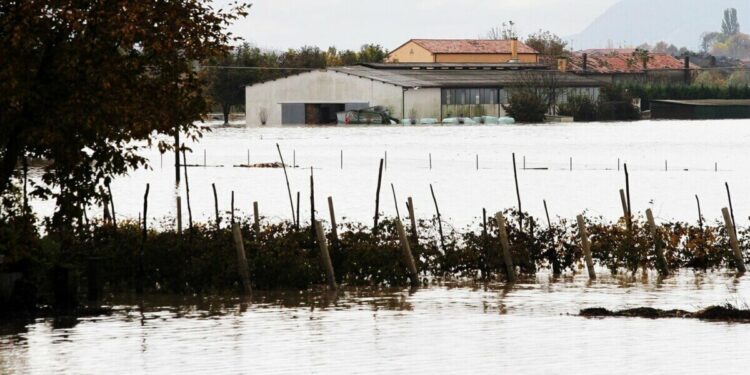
(531, 327)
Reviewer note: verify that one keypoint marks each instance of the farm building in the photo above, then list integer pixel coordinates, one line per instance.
(709, 109)
(407, 90)
(463, 51)
(619, 65)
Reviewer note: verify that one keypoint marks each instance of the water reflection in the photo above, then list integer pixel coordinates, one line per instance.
(448, 327)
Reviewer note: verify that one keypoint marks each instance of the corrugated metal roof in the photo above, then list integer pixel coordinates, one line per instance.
(471, 46)
(462, 77)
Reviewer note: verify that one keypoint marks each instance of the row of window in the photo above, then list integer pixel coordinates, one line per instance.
(470, 96)
(497, 96)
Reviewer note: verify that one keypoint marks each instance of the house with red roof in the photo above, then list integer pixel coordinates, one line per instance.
(619, 65)
(463, 51)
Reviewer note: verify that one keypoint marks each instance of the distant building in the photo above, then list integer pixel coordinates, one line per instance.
(707, 109)
(619, 65)
(421, 90)
(463, 51)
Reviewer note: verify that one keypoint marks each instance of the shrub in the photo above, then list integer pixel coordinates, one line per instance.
(580, 107)
(526, 106)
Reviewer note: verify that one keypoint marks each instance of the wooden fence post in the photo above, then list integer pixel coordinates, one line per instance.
(325, 256)
(256, 217)
(415, 236)
(407, 255)
(733, 240)
(586, 246)
(439, 219)
(628, 222)
(661, 261)
(216, 208)
(334, 230)
(505, 246)
(556, 271)
(241, 259)
(187, 190)
(288, 188)
(377, 198)
(179, 215)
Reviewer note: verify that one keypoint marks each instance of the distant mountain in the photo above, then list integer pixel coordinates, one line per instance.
(680, 22)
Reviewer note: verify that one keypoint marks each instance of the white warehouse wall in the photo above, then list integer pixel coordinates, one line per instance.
(320, 86)
(425, 102)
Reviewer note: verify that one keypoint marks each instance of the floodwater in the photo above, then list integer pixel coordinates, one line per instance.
(529, 328)
(693, 150)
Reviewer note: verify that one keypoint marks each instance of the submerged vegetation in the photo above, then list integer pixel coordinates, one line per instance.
(203, 259)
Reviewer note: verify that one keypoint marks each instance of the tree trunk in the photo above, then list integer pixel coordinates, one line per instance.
(177, 155)
(226, 108)
(9, 159)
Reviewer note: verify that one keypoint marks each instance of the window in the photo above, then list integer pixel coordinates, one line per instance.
(479, 96)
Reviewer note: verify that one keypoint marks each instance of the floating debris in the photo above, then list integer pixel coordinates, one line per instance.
(720, 313)
(263, 165)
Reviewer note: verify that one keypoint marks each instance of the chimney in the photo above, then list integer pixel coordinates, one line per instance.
(562, 64)
(513, 50)
(585, 62)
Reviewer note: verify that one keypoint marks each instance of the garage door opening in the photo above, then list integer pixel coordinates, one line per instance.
(315, 113)
(322, 114)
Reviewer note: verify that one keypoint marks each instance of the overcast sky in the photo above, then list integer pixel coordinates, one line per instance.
(282, 24)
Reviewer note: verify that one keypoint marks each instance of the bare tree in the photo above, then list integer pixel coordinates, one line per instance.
(504, 32)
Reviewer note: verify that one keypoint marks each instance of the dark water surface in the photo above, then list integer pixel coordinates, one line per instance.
(448, 328)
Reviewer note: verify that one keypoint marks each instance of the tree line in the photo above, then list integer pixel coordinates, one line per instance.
(246, 64)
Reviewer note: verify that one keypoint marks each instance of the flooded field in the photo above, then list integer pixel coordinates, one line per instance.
(529, 328)
(692, 150)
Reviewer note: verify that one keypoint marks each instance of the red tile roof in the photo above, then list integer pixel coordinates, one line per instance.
(615, 62)
(471, 46)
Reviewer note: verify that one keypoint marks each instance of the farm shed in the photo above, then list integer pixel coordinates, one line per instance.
(423, 90)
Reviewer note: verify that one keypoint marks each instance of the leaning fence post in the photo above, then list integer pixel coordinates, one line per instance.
(439, 219)
(179, 215)
(505, 246)
(216, 208)
(586, 246)
(733, 240)
(410, 207)
(407, 255)
(334, 230)
(661, 261)
(325, 256)
(377, 198)
(241, 259)
(256, 217)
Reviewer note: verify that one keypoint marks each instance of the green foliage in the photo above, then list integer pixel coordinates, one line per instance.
(228, 75)
(730, 42)
(549, 45)
(580, 107)
(204, 260)
(525, 105)
(730, 25)
(85, 84)
(740, 78)
(648, 92)
(616, 104)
